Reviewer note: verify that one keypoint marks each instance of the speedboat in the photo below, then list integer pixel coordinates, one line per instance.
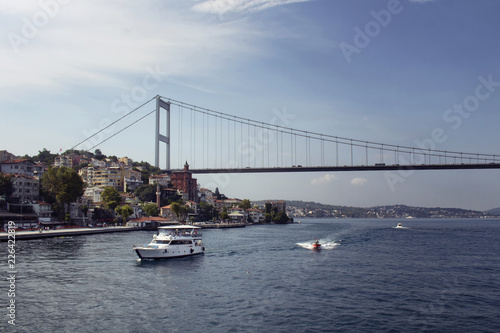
(400, 225)
(316, 245)
(171, 242)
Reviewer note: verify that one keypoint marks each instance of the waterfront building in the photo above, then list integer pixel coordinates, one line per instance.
(185, 183)
(193, 206)
(280, 206)
(43, 210)
(255, 215)
(166, 212)
(237, 214)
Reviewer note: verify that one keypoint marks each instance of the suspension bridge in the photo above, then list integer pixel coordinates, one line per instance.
(217, 142)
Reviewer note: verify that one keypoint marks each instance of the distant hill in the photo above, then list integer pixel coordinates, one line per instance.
(495, 211)
(297, 208)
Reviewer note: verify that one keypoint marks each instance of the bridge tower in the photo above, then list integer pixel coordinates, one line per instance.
(160, 104)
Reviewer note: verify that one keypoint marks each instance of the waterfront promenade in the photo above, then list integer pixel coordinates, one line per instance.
(24, 235)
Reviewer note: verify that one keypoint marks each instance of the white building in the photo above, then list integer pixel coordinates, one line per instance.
(25, 188)
(21, 167)
(93, 193)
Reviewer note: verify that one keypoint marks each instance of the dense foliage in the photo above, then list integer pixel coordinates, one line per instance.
(6, 187)
(60, 187)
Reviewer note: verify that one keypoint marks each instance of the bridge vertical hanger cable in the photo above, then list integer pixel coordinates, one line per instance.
(312, 145)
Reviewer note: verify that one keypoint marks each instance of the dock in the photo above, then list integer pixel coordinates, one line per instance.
(25, 235)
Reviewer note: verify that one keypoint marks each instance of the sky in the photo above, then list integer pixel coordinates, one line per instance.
(384, 71)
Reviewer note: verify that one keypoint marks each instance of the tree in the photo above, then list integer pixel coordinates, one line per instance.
(151, 209)
(45, 156)
(146, 193)
(245, 204)
(84, 209)
(179, 210)
(111, 197)
(61, 186)
(6, 187)
(124, 211)
(206, 211)
(99, 155)
(224, 215)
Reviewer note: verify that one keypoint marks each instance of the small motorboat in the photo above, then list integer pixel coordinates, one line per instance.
(316, 245)
(400, 225)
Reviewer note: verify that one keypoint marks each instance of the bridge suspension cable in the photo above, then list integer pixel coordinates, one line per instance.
(221, 140)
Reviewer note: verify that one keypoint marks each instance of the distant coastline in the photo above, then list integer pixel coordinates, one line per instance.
(307, 209)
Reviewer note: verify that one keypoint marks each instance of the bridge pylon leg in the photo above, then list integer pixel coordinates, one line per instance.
(160, 104)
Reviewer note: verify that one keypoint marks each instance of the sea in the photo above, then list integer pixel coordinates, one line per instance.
(432, 275)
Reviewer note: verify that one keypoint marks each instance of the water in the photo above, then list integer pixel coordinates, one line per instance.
(434, 276)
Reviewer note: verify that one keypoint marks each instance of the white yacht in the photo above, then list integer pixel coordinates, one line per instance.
(172, 241)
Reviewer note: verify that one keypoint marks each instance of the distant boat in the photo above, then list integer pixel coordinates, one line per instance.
(316, 245)
(400, 225)
(410, 217)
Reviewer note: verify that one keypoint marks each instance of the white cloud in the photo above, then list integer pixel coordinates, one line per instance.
(359, 181)
(228, 6)
(104, 44)
(326, 179)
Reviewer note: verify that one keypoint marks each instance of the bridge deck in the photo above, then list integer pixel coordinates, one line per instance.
(352, 168)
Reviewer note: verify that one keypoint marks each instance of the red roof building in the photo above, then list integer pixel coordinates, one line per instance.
(184, 182)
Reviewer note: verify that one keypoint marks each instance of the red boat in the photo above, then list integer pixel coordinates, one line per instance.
(316, 245)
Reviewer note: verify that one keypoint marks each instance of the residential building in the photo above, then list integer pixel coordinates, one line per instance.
(25, 188)
(163, 180)
(93, 193)
(237, 214)
(114, 177)
(5, 155)
(125, 161)
(207, 196)
(166, 212)
(87, 175)
(69, 161)
(227, 203)
(132, 180)
(23, 167)
(193, 206)
(255, 215)
(43, 210)
(39, 170)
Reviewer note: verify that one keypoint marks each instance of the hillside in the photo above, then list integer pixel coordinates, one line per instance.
(297, 209)
(495, 211)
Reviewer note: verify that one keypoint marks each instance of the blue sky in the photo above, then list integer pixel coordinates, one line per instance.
(67, 67)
